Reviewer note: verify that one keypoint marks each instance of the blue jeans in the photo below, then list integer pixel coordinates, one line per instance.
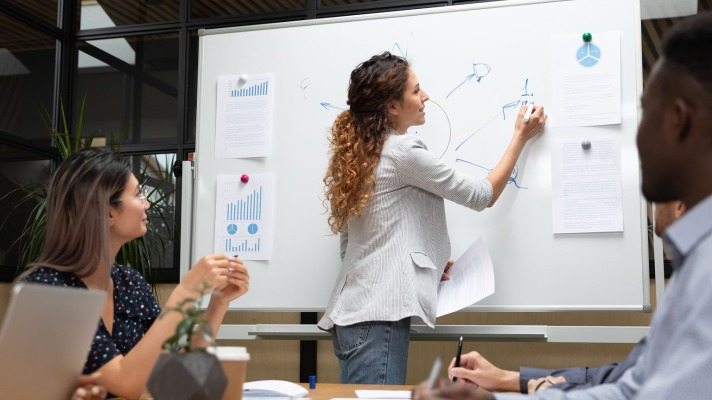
(374, 352)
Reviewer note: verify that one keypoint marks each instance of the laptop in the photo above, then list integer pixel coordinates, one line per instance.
(45, 338)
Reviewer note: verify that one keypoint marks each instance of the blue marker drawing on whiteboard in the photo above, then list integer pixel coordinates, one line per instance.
(398, 47)
(479, 71)
(449, 127)
(504, 109)
(512, 177)
(402, 53)
(511, 106)
(525, 90)
(496, 116)
(528, 98)
(304, 85)
(328, 105)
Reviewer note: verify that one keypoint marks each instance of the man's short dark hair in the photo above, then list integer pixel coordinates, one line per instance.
(688, 44)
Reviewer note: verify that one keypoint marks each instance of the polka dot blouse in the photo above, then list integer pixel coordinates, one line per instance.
(135, 309)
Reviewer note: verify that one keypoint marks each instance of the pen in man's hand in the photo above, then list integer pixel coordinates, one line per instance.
(457, 357)
(434, 373)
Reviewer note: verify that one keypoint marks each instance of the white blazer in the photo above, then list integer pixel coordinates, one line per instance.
(394, 254)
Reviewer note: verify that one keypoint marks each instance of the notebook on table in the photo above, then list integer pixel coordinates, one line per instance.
(45, 338)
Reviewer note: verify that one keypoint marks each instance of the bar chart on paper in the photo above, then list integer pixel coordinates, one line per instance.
(243, 220)
(259, 89)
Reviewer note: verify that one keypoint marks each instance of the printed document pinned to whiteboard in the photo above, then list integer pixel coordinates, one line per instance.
(471, 280)
(586, 80)
(243, 216)
(243, 120)
(587, 185)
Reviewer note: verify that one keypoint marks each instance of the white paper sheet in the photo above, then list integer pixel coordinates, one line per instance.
(471, 280)
(243, 216)
(273, 389)
(587, 186)
(586, 79)
(383, 394)
(243, 120)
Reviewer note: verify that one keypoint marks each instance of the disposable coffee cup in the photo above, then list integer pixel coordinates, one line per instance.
(234, 363)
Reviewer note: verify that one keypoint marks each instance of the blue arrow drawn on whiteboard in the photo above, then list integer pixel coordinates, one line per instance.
(475, 73)
(469, 78)
(329, 105)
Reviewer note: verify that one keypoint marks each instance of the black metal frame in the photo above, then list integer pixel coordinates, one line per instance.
(67, 35)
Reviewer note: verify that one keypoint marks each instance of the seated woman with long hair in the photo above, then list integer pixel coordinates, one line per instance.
(94, 206)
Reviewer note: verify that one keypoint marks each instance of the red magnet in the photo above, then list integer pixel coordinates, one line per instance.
(244, 178)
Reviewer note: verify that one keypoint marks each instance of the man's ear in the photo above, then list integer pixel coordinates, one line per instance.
(681, 119)
(680, 209)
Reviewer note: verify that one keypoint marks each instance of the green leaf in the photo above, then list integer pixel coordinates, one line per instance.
(142, 253)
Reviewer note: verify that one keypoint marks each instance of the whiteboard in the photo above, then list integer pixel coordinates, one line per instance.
(311, 61)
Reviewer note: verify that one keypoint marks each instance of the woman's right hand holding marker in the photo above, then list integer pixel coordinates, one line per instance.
(211, 270)
(523, 131)
(527, 128)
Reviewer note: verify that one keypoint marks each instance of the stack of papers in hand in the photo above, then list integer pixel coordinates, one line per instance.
(471, 280)
(273, 388)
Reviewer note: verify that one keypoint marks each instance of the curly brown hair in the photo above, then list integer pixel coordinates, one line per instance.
(358, 135)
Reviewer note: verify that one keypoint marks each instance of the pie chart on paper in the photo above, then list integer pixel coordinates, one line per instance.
(588, 55)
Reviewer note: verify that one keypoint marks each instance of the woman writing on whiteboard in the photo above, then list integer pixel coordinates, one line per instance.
(94, 206)
(386, 193)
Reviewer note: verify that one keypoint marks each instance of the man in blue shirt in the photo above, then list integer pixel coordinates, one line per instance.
(675, 149)
(478, 371)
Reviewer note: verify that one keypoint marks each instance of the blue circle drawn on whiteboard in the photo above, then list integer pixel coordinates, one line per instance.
(433, 137)
(588, 55)
(252, 228)
(232, 229)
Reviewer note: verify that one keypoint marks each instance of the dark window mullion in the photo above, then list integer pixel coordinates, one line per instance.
(129, 30)
(65, 62)
(33, 21)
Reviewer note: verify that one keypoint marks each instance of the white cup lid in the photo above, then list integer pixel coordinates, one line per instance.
(230, 353)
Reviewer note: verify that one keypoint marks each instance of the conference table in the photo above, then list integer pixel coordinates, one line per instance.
(326, 391)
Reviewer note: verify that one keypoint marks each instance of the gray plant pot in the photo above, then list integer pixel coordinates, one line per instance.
(187, 376)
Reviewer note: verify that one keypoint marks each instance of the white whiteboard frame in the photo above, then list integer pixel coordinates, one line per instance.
(644, 251)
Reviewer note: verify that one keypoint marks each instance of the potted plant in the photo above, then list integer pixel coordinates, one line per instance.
(186, 371)
(137, 253)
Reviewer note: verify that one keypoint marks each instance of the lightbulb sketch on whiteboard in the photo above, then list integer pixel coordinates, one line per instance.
(479, 71)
